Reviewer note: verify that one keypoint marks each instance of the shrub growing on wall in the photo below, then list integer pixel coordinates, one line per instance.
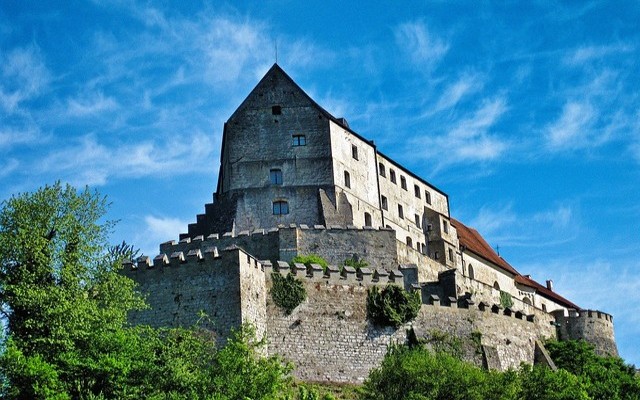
(287, 292)
(309, 259)
(355, 262)
(506, 301)
(393, 306)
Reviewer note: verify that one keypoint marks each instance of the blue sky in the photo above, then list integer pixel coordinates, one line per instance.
(526, 113)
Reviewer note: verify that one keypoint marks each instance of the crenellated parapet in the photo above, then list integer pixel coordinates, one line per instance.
(593, 326)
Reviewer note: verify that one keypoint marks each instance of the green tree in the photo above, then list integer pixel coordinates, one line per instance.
(603, 377)
(66, 305)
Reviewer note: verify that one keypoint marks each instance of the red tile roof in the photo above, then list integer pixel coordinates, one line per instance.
(475, 243)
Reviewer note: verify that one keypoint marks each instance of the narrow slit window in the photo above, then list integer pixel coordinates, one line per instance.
(354, 151)
(347, 179)
(417, 219)
(385, 204)
(280, 207)
(445, 226)
(427, 196)
(400, 211)
(403, 182)
(392, 175)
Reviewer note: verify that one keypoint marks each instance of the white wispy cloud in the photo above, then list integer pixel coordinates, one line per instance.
(458, 90)
(422, 46)
(24, 76)
(572, 127)
(585, 54)
(11, 136)
(7, 167)
(157, 229)
(90, 162)
(91, 104)
(468, 139)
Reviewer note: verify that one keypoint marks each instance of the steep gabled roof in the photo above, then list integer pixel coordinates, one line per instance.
(475, 243)
(276, 70)
(543, 291)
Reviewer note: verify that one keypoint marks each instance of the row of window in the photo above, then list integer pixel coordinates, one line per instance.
(403, 183)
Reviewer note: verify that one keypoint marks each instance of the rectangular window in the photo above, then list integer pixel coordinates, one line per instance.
(354, 152)
(347, 179)
(275, 176)
(403, 182)
(427, 196)
(381, 170)
(392, 175)
(280, 207)
(384, 204)
(445, 226)
(299, 140)
(416, 190)
(400, 211)
(450, 255)
(417, 219)
(276, 110)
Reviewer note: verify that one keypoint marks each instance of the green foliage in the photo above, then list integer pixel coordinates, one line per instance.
(506, 301)
(393, 306)
(287, 292)
(418, 373)
(602, 377)
(309, 259)
(355, 262)
(65, 305)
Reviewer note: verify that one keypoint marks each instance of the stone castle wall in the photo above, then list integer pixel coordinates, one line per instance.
(593, 326)
(328, 337)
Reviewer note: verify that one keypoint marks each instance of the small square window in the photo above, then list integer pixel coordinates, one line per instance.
(276, 110)
(280, 207)
(403, 182)
(275, 176)
(384, 204)
(354, 152)
(299, 140)
(392, 175)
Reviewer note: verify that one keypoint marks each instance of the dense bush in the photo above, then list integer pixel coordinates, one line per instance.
(287, 292)
(393, 306)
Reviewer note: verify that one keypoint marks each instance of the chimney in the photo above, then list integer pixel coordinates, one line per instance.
(549, 284)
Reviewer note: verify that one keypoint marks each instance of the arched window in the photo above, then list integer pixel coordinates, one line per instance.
(496, 286)
(526, 300)
(409, 242)
(367, 219)
(280, 207)
(471, 273)
(381, 170)
(347, 179)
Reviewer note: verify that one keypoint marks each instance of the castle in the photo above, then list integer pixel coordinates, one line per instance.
(295, 180)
